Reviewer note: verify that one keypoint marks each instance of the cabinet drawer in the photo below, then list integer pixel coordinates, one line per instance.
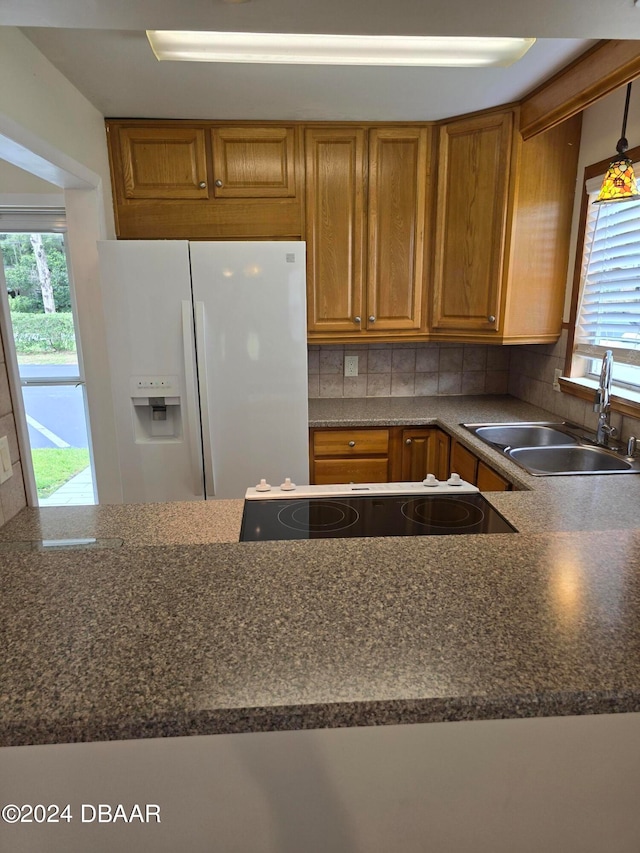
(351, 442)
(350, 471)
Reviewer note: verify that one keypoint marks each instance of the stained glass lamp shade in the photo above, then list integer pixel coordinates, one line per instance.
(620, 181)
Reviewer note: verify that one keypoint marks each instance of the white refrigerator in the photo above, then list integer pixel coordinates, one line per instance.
(208, 362)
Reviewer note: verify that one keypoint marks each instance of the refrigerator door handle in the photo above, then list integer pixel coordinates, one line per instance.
(190, 396)
(203, 388)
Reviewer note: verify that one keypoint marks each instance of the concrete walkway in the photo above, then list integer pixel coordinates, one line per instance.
(75, 492)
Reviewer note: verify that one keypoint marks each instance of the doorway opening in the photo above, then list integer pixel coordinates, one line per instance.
(42, 316)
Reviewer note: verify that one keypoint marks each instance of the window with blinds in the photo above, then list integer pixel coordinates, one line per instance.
(609, 306)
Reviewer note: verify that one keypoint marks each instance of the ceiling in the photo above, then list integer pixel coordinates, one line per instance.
(100, 46)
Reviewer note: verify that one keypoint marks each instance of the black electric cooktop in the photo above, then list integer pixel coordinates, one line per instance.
(371, 515)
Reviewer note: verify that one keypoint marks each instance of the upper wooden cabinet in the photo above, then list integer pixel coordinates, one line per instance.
(366, 188)
(473, 184)
(503, 219)
(206, 180)
(463, 240)
(396, 226)
(253, 162)
(163, 163)
(335, 183)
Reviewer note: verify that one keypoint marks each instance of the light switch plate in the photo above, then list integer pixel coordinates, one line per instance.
(557, 373)
(6, 470)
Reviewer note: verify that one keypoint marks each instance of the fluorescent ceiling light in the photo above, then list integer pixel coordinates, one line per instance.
(297, 49)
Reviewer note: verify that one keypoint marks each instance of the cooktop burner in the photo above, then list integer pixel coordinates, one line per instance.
(369, 515)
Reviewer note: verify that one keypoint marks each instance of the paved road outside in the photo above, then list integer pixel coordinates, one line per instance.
(55, 414)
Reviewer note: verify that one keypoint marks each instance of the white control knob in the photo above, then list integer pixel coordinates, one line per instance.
(430, 480)
(263, 486)
(454, 480)
(287, 486)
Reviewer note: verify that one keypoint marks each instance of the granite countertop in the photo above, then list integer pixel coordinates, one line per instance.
(182, 630)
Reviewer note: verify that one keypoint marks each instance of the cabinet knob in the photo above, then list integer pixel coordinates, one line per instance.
(352, 444)
(218, 183)
(357, 320)
(408, 441)
(202, 184)
(372, 319)
(491, 318)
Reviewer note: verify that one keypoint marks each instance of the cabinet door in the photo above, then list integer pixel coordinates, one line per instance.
(464, 462)
(416, 447)
(396, 224)
(163, 163)
(490, 481)
(253, 162)
(335, 229)
(423, 450)
(472, 200)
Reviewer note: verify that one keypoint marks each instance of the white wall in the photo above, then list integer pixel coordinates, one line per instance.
(548, 785)
(49, 129)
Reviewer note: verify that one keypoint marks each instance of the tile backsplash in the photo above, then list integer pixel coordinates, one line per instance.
(409, 370)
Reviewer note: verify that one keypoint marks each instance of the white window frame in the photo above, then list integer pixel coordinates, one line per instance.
(584, 359)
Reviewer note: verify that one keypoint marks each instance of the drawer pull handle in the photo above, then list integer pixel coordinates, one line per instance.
(202, 184)
(408, 441)
(352, 444)
(491, 318)
(357, 320)
(372, 319)
(218, 183)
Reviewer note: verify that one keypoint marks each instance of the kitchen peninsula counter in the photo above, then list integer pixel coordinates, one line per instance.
(174, 628)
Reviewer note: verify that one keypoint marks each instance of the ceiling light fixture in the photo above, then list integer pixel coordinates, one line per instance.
(316, 49)
(619, 183)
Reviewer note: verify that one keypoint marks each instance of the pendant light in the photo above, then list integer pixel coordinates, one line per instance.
(620, 181)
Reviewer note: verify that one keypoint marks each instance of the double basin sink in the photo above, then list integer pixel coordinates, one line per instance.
(546, 449)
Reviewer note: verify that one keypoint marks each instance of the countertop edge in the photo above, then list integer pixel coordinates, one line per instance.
(328, 716)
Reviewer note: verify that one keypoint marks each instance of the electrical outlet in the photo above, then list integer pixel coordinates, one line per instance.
(6, 470)
(351, 365)
(557, 373)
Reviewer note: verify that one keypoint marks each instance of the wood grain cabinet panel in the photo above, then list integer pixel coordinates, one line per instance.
(366, 187)
(350, 456)
(473, 185)
(503, 223)
(396, 227)
(163, 163)
(423, 450)
(475, 471)
(253, 162)
(490, 481)
(187, 180)
(335, 170)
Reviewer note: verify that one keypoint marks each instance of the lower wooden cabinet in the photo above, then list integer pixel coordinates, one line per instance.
(475, 471)
(395, 454)
(373, 455)
(350, 456)
(422, 451)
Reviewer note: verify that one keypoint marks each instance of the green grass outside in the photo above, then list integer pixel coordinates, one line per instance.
(53, 466)
(47, 357)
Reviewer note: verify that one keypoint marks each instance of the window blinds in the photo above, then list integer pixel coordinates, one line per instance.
(609, 310)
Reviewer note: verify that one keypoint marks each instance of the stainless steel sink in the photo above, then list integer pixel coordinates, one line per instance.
(524, 435)
(580, 459)
(546, 448)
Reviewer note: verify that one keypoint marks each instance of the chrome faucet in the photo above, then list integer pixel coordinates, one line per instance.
(602, 402)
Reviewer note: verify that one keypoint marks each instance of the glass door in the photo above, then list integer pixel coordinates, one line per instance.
(42, 318)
